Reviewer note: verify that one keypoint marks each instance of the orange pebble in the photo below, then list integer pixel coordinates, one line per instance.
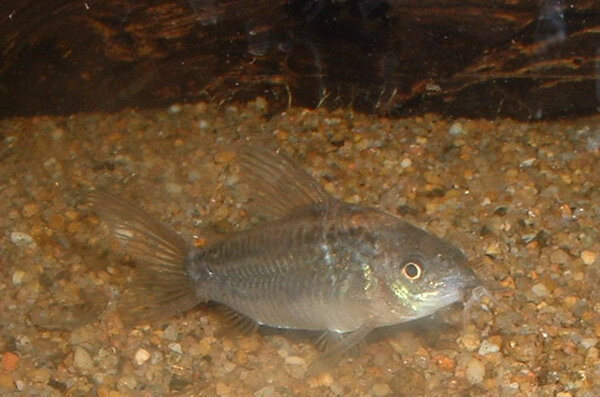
(445, 363)
(9, 361)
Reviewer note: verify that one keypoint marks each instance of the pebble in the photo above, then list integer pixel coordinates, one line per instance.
(171, 333)
(295, 360)
(493, 249)
(588, 257)
(559, 334)
(141, 356)
(9, 361)
(20, 238)
(444, 362)
(540, 290)
(19, 384)
(57, 133)
(41, 375)
(336, 389)
(470, 341)
(324, 379)
(221, 388)
(6, 382)
(82, 359)
(174, 109)
(18, 277)
(173, 188)
(30, 210)
(528, 163)
(56, 222)
(175, 348)
(126, 383)
(475, 371)
(267, 391)
(456, 129)
(488, 347)
(381, 389)
(592, 357)
(589, 342)
(224, 157)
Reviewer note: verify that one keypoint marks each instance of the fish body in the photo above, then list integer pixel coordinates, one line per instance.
(316, 263)
(330, 268)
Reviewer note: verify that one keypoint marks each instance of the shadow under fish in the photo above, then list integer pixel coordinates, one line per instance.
(316, 263)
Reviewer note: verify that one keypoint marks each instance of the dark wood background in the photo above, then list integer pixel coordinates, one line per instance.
(478, 58)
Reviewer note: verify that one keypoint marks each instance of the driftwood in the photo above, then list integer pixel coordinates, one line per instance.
(521, 58)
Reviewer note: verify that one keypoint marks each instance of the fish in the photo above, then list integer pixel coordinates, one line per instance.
(314, 263)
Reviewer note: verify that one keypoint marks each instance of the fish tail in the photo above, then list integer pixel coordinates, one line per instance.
(162, 286)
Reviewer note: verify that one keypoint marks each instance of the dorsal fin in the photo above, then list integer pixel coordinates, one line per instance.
(277, 186)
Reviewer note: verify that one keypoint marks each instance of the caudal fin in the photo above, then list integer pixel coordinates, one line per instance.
(162, 287)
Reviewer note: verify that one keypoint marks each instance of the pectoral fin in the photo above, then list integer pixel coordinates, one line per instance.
(338, 344)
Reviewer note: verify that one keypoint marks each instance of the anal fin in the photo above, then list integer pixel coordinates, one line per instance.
(237, 322)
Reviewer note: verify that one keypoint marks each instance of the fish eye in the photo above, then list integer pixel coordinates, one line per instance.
(412, 271)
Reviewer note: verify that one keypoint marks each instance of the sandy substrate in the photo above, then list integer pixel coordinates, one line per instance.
(521, 200)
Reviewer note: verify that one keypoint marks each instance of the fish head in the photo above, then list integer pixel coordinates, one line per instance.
(421, 274)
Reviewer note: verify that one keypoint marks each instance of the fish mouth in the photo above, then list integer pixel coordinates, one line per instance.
(474, 296)
(469, 285)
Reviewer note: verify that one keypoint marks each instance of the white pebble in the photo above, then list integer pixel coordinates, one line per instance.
(295, 360)
(141, 356)
(456, 129)
(175, 348)
(18, 277)
(405, 163)
(589, 342)
(564, 394)
(174, 109)
(527, 163)
(475, 371)
(19, 238)
(589, 257)
(487, 347)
